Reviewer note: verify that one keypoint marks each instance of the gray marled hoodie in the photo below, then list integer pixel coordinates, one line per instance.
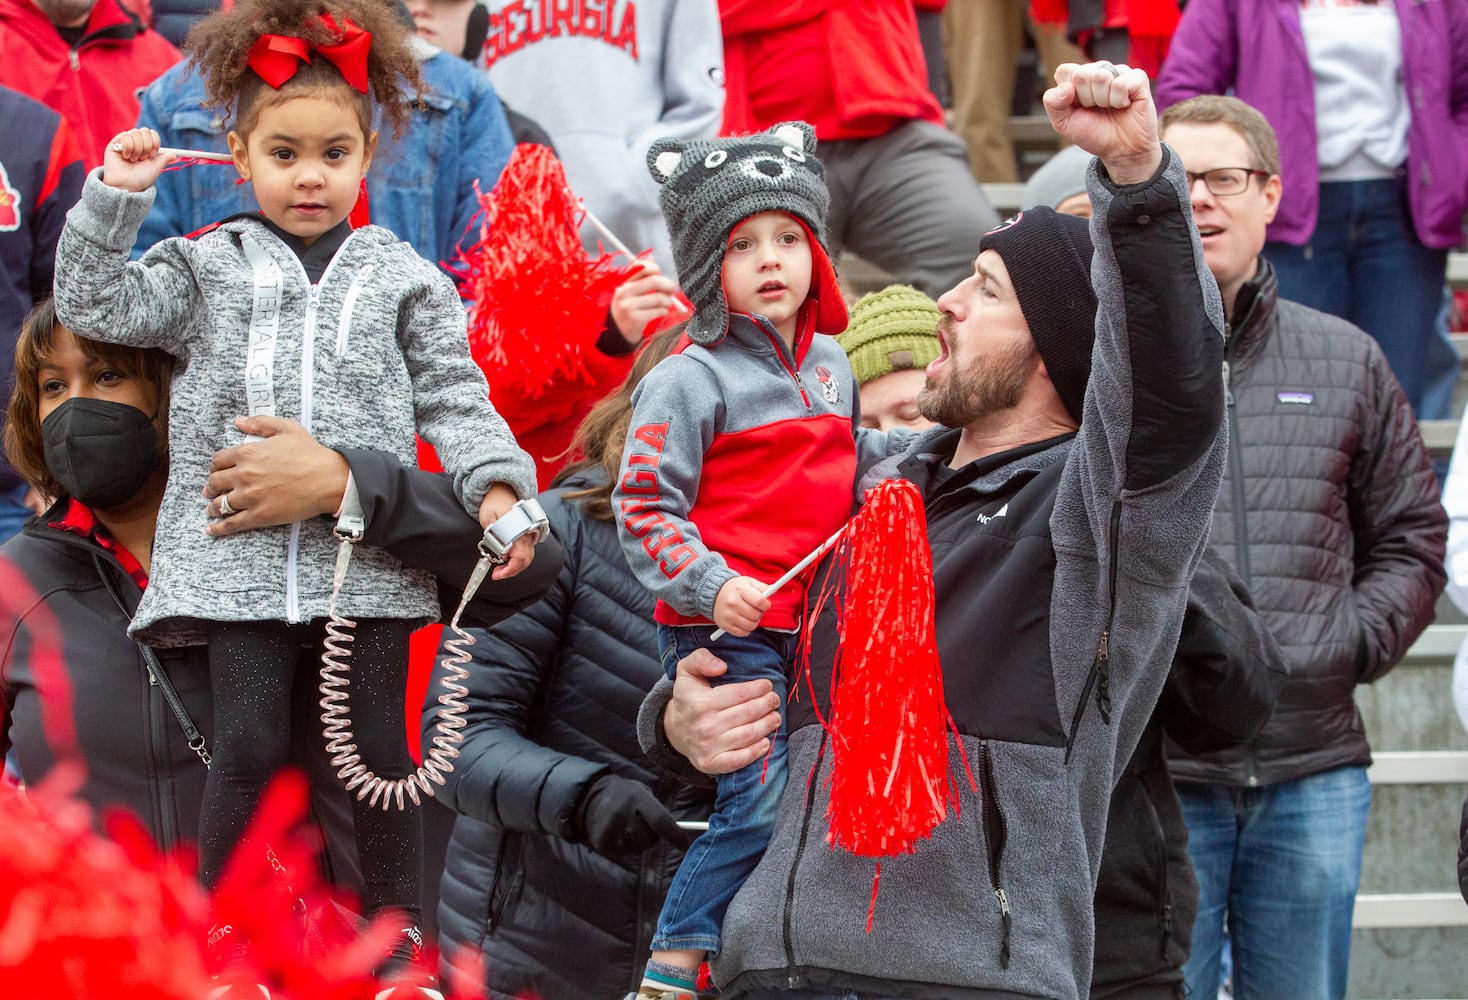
(1061, 574)
(370, 353)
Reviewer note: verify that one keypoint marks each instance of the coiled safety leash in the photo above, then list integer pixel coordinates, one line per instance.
(526, 516)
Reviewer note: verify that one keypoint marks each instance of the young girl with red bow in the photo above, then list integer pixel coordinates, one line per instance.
(291, 313)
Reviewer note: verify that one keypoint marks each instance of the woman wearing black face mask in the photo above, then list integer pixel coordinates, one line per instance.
(88, 427)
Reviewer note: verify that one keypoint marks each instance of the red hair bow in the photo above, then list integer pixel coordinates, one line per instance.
(275, 58)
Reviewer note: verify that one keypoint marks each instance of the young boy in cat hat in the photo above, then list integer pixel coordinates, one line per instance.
(740, 459)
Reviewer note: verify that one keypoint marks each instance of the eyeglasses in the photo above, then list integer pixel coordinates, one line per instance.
(1226, 181)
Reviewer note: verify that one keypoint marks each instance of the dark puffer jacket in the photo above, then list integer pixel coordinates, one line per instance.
(554, 697)
(1225, 678)
(1330, 514)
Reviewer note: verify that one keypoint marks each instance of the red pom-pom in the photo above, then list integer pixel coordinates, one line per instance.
(539, 304)
(889, 779)
(84, 917)
(81, 916)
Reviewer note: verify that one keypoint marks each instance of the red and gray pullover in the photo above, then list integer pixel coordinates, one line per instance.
(740, 460)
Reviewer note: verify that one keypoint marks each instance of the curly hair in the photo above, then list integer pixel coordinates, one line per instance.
(34, 349)
(220, 45)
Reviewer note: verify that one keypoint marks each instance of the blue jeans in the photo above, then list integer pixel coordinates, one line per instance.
(1364, 263)
(13, 511)
(745, 803)
(1281, 864)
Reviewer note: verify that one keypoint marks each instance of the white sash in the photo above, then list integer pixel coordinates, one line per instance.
(264, 328)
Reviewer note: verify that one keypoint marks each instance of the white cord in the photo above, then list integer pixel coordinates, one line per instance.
(337, 724)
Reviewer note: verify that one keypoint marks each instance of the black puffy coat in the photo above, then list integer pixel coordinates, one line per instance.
(1329, 512)
(1225, 678)
(554, 697)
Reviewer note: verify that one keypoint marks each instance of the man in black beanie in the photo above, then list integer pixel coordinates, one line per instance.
(1067, 504)
(1045, 258)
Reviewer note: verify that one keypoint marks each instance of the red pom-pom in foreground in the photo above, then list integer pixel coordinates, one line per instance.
(83, 917)
(888, 721)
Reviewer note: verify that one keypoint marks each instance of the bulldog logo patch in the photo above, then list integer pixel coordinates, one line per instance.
(830, 391)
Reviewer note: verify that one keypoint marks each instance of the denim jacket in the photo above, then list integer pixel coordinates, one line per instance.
(421, 187)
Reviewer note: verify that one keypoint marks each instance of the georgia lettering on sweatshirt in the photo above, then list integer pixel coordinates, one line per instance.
(525, 22)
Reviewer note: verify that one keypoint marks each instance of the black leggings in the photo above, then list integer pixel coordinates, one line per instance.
(252, 667)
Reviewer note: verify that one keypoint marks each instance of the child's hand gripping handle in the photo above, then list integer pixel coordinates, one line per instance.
(793, 572)
(134, 159)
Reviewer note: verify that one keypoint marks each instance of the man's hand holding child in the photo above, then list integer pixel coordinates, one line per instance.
(740, 605)
(133, 160)
(496, 502)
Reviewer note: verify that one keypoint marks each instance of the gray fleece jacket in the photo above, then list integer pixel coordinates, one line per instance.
(372, 352)
(1061, 573)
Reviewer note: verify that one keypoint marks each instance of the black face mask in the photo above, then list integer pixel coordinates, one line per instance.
(100, 452)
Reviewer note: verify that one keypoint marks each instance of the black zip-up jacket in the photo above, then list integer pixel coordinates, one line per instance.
(1225, 678)
(68, 595)
(1060, 572)
(1329, 512)
(554, 694)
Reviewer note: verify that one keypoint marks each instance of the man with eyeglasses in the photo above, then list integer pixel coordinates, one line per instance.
(1329, 512)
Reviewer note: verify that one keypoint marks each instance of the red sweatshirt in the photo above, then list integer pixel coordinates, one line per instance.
(95, 84)
(852, 68)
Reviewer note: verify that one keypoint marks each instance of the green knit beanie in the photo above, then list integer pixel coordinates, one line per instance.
(891, 330)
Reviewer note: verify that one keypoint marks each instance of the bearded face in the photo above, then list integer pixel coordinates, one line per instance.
(970, 388)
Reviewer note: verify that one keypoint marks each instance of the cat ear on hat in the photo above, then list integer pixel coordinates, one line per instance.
(663, 157)
(798, 134)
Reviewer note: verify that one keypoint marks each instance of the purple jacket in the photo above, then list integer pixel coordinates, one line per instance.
(1256, 48)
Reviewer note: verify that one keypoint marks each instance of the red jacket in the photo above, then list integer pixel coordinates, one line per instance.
(95, 84)
(852, 68)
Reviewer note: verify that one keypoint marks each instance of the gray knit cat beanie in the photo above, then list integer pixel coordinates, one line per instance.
(709, 186)
(1048, 257)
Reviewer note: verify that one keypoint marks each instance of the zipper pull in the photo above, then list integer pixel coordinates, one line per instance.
(1103, 677)
(800, 384)
(1007, 923)
(1103, 649)
(76, 62)
(313, 296)
(1228, 388)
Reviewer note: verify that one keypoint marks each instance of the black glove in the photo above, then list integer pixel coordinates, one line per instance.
(620, 816)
